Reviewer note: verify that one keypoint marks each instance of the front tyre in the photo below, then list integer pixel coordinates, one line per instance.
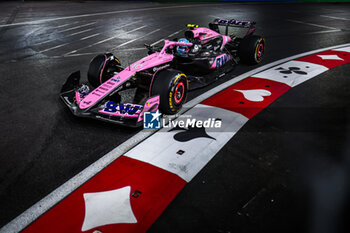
(251, 49)
(101, 68)
(172, 86)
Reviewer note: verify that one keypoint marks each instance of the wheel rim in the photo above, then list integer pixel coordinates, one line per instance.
(179, 92)
(260, 51)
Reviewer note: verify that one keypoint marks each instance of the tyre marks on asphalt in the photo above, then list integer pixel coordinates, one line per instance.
(130, 193)
(10, 20)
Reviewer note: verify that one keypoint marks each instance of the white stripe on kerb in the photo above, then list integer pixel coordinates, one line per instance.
(292, 78)
(344, 49)
(161, 150)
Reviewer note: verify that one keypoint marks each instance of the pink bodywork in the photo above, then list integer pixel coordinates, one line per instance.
(77, 97)
(220, 60)
(205, 34)
(226, 39)
(110, 85)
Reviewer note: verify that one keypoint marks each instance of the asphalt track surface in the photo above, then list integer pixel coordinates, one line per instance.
(262, 181)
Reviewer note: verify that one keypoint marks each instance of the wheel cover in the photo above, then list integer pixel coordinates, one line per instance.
(259, 51)
(179, 92)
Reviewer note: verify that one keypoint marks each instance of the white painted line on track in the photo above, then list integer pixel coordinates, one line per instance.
(47, 41)
(52, 48)
(87, 37)
(130, 41)
(105, 13)
(67, 24)
(63, 25)
(76, 27)
(31, 214)
(56, 27)
(70, 53)
(110, 38)
(75, 54)
(73, 34)
(172, 34)
(326, 31)
(158, 41)
(132, 49)
(86, 54)
(312, 24)
(334, 17)
(76, 33)
(44, 42)
(114, 37)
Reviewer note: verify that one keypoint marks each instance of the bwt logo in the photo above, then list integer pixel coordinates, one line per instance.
(151, 120)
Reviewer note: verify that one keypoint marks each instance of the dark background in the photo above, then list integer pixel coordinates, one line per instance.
(286, 170)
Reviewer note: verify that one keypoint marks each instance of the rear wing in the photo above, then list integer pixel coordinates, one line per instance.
(232, 23)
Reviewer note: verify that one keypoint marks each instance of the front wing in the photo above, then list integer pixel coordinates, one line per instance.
(106, 110)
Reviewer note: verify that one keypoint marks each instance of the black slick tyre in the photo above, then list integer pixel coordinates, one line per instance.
(172, 86)
(251, 49)
(101, 68)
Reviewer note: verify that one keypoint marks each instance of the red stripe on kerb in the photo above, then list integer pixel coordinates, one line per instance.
(329, 59)
(234, 100)
(157, 186)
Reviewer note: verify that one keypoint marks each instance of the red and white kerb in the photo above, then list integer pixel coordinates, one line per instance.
(130, 194)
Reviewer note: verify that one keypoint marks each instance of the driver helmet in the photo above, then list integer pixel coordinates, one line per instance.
(182, 49)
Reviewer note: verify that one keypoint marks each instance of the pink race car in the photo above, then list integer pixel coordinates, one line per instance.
(162, 79)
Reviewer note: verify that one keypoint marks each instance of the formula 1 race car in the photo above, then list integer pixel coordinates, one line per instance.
(162, 79)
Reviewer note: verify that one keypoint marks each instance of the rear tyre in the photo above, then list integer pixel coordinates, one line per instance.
(251, 49)
(101, 68)
(171, 85)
